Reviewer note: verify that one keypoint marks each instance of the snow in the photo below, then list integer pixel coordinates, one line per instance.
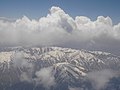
(6, 56)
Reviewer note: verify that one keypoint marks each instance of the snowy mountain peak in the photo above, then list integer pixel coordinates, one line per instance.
(58, 65)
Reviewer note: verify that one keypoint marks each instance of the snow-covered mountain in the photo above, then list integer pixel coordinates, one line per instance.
(56, 68)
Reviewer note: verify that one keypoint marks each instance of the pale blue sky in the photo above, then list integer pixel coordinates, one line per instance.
(38, 8)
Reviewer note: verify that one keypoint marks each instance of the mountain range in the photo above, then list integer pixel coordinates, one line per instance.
(57, 68)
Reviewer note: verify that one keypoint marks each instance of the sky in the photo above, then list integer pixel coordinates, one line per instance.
(75, 24)
(38, 8)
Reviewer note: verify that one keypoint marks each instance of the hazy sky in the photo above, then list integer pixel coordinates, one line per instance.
(38, 8)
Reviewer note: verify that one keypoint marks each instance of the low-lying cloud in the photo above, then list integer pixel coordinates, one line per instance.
(75, 88)
(20, 61)
(60, 29)
(45, 77)
(99, 79)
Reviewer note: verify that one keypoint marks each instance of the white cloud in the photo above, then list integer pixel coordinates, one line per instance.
(58, 28)
(45, 77)
(75, 88)
(25, 77)
(100, 79)
(20, 61)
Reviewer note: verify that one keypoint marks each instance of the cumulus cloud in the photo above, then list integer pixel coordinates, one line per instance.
(20, 61)
(75, 88)
(60, 29)
(26, 77)
(45, 77)
(100, 79)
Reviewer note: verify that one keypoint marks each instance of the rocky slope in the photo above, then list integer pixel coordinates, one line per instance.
(56, 68)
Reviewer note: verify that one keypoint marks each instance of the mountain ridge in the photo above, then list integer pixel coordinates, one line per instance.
(71, 67)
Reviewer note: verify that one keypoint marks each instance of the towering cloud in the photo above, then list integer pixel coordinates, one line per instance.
(60, 29)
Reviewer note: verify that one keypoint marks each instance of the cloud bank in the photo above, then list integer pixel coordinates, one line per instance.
(60, 29)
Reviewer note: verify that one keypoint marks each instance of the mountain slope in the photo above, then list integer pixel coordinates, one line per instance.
(55, 68)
